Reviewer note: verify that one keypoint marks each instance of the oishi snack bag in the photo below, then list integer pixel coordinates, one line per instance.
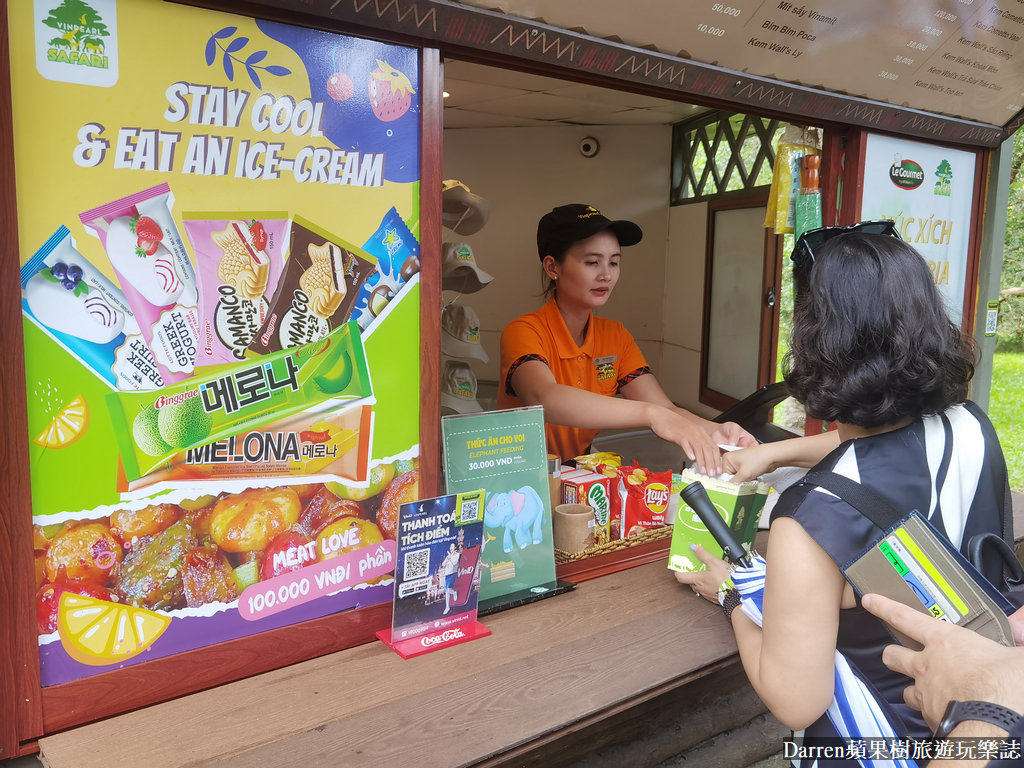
(152, 427)
(643, 499)
(397, 254)
(239, 258)
(316, 292)
(156, 275)
(581, 486)
(79, 308)
(328, 447)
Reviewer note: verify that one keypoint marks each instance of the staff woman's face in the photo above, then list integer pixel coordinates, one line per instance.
(589, 271)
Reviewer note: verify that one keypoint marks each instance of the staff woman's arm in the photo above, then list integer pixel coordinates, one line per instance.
(534, 384)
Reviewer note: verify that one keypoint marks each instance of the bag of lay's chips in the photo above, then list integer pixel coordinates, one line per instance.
(643, 500)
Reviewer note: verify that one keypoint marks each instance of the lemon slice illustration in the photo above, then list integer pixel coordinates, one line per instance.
(66, 426)
(99, 632)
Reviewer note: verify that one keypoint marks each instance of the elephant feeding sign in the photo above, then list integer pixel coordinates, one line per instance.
(504, 453)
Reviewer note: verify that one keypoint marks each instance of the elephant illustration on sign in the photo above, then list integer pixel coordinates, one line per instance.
(520, 513)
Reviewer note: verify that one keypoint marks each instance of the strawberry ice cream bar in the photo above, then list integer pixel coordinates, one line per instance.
(151, 262)
(79, 308)
(239, 259)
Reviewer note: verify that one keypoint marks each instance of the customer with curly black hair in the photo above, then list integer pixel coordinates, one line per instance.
(874, 352)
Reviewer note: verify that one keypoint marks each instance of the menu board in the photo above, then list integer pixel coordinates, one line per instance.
(217, 224)
(959, 58)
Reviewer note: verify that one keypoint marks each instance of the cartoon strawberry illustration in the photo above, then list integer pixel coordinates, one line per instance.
(259, 235)
(148, 233)
(390, 92)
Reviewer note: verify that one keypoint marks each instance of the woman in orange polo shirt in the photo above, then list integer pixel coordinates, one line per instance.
(572, 362)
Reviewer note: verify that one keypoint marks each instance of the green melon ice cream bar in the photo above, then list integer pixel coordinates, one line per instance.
(152, 427)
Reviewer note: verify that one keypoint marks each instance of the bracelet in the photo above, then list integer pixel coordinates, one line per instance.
(729, 600)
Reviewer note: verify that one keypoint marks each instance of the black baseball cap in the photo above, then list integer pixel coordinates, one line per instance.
(568, 224)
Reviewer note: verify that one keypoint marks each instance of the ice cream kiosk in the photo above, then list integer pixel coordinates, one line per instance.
(222, 294)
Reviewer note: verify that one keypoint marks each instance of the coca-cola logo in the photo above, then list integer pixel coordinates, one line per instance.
(444, 637)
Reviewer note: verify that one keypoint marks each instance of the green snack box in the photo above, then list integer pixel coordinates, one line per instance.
(739, 504)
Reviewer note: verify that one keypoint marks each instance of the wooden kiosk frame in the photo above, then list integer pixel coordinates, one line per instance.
(438, 29)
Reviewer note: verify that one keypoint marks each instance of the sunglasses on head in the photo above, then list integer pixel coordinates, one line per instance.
(812, 240)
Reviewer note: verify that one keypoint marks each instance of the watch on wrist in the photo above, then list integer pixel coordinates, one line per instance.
(984, 711)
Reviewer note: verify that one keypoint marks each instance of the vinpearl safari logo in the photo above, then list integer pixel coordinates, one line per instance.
(906, 174)
(76, 41)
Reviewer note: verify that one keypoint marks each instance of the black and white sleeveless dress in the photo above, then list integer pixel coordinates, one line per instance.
(949, 468)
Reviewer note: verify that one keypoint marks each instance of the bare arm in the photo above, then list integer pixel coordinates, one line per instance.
(645, 405)
(752, 462)
(791, 660)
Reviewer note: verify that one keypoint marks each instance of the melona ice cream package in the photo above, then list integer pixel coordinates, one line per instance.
(306, 447)
(317, 290)
(83, 311)
(147, 253)
(152, 427)
(398, 259)
(238, 260)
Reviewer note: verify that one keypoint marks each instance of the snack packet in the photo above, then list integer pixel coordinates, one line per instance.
(144, 247)
(594, 462)
(152, 427)
(239, 258)
(83, 311)
(328, 447)
(317, 290)
(643, 499)
(397, 253)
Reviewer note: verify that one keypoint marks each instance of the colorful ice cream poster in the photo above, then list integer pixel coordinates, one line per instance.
(186, 488)
(437, 579)
(504, 453)
(928, 191)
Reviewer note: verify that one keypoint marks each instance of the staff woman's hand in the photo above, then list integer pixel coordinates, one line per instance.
(689, 433)
(731, 433)
(705, 583)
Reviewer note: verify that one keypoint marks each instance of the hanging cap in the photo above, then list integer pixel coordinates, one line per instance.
(461, 211)
(460, 333)
(458, 387)
(459, 271)
(568, 224)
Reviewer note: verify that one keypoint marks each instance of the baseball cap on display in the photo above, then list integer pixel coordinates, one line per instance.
(571, 223)
(461, 211)
(459, 271)
(458, 387)
(460, 333)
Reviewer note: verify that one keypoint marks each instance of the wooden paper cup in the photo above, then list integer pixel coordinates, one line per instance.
(574, 527)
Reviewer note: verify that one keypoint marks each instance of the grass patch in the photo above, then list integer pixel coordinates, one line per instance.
(1006, 410)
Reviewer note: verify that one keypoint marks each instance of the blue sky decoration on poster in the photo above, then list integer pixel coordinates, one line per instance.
(370, 92)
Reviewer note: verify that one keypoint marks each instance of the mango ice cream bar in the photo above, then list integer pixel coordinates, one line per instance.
(153, 267)
(152, 427)
(82, 310)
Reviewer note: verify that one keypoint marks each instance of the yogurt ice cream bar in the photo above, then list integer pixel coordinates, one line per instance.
(83, 311)
(149, 257)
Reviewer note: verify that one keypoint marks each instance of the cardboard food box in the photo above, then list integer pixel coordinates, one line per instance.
(740, 506)
(581, 486)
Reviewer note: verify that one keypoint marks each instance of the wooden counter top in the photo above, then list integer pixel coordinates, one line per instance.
(547, 668)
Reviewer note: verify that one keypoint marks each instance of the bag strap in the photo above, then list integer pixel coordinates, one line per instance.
(869, 502)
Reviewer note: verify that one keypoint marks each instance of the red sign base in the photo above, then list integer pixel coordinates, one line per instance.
(416, 646)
